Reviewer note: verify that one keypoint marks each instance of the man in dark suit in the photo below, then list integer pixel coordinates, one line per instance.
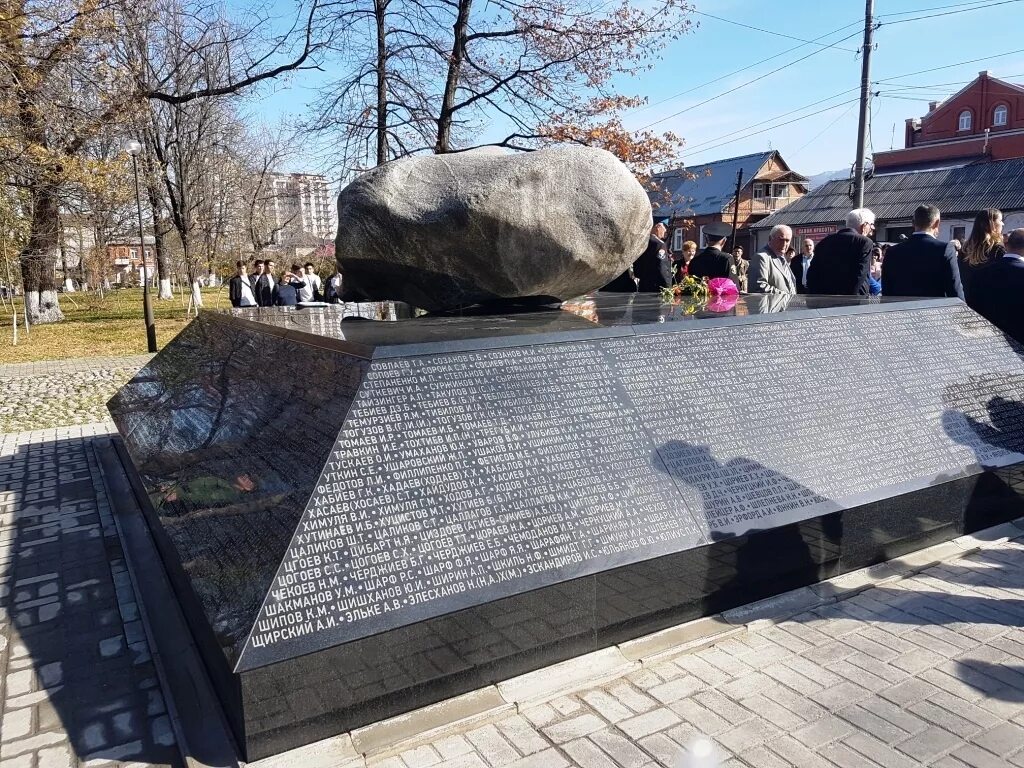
(653, 270)
(801, 262)
(240, 290)
(842, 261)
(263, 283)
(1000, 287)
(713, 261)
(922, 265)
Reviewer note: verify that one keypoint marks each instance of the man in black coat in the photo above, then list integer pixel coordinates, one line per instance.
(240, 289)
(263, 282)
(922, 265)
(842, 261)
(713, 261)
(1000, 286)
(653, 270)
(801, 262)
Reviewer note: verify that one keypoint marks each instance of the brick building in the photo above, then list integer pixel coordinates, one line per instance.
(125, 259)
(983, 121)
(688, 199)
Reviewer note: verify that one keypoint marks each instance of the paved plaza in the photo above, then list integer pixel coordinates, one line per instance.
(925, 668)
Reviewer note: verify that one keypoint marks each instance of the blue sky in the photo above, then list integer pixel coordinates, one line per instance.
(818, 93)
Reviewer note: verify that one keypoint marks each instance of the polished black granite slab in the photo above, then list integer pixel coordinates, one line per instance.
(454, 500)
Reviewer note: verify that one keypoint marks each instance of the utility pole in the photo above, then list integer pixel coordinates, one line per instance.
(736, 208)
(865, 94)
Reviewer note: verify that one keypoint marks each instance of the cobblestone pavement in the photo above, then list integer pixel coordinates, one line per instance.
(77, 684)
(927, 670)
(61, 392)
(924, 671)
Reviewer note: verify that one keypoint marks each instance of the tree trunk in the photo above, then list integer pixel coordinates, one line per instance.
(458, 55)
(163, 268)
(379, 11)
(39, 259)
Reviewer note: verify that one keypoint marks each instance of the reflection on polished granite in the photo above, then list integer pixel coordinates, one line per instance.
(300, 463)
(229, 431)
(597, 315)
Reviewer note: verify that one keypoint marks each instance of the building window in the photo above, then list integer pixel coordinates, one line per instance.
(677, 239)
(131, 253)
(758, 191)
(1001, 115)
(780, 190)
(965, 120)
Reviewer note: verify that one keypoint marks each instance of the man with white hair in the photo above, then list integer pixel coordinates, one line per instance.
(842, 261)
(769, 270)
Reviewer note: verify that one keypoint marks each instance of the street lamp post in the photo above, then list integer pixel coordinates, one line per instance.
(134, 148)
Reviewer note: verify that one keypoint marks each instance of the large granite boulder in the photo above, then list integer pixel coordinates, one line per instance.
(443, 231)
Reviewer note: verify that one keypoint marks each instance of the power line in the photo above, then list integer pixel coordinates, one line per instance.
(773, 119)
(727, 75)
(744, 85)
(827, 127)
(773, 127)
(948, 66)
(950, 13)
(973, 3)
(774, 33)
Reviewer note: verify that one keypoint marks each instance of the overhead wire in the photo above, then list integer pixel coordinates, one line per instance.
(775, 117)
(827, 127)
(948, 13)
(854, 100)
(743, 85)
(773, 32)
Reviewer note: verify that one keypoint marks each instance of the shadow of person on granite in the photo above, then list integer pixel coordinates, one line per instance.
(78, 663)
(768, 532)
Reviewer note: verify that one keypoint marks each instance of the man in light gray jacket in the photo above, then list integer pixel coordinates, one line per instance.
(769, 270)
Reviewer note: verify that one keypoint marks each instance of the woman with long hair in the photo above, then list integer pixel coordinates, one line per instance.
(983, 247)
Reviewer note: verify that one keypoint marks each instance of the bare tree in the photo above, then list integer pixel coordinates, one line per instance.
(431, 74)
(58, 89)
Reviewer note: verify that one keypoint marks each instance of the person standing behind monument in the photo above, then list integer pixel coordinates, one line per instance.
(335, 286)
(653, 270)
(842, 261)
(681, 265)
(922, 265)
(742, 268)
(800, 263)
(712, 262)
(313, 283)
(286, 294)
(264, 284)
(997, 288)
(240, 290)
(983, 247)
(769, 270)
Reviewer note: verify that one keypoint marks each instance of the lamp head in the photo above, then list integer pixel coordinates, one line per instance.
(133, 148)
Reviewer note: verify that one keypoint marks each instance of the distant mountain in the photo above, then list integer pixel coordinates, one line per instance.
(820, 178)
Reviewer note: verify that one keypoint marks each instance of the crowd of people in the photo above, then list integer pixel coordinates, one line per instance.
(987, 270)
(263, 288)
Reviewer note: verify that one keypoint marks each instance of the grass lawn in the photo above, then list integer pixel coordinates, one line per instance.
(98, 327)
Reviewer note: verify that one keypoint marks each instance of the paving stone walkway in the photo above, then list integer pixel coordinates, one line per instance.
(61, 392)
(927, 670)
(77, 684)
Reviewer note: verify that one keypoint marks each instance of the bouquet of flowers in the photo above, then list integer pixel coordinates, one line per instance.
(693, 294)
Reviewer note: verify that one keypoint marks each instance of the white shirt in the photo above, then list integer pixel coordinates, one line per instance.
(248, 298)
(306, 291)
